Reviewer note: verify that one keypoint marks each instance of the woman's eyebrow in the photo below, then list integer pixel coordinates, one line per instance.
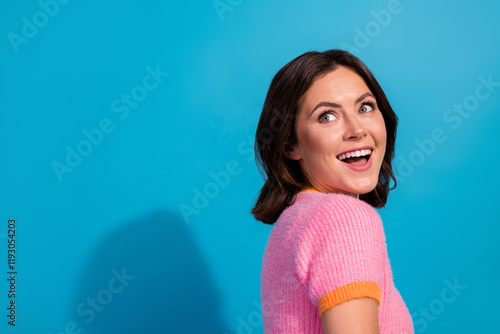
(336, 105)
(325, 104)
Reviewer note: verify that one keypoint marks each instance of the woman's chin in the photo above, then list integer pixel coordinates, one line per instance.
(361, 189)
(349, 187)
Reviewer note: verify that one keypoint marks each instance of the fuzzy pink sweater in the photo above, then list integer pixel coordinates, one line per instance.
(323, 250)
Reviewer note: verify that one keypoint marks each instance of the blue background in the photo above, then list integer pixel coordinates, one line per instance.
(120, 207)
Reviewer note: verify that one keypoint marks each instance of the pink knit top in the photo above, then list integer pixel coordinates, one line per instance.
(325, 249)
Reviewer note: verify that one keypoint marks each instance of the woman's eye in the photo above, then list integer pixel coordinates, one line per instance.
(366, 108)
(326, 117)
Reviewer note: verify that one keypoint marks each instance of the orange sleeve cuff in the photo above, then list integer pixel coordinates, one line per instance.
(348, 292)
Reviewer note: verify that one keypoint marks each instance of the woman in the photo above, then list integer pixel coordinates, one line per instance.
(325, 141)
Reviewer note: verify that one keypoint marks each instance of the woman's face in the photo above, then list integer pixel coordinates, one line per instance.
(338, 115)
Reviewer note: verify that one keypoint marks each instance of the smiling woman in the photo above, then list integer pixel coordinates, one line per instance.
(325, 171)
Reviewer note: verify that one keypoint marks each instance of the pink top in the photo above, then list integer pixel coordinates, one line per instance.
(323, 250)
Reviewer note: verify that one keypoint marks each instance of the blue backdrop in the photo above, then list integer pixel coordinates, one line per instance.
(126, 133)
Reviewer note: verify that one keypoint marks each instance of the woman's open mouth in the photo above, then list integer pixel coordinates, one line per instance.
(359, 160)
(359, 157)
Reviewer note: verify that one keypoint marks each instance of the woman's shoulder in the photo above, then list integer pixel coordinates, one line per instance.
(334, 210)
(333, 202)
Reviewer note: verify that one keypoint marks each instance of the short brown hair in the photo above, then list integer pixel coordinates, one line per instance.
(276, 131)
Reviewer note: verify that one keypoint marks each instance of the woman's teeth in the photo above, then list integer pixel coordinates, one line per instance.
(353, 154)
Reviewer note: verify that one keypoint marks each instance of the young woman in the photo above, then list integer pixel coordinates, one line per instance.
(325, 141)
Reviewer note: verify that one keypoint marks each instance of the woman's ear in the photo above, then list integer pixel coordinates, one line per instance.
(292, 153)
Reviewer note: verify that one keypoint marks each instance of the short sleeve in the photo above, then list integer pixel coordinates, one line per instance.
(340, 252)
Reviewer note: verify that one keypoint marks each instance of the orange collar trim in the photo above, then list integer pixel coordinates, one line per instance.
(309, 189)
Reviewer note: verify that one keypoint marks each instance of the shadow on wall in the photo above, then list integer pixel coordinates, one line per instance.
(148, 277)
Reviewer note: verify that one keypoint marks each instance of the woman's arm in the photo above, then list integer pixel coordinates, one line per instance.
(355, 316)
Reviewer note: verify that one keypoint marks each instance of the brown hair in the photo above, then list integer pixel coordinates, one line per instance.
(276, 131)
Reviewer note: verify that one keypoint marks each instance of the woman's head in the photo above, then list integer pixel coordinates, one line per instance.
(319, 106)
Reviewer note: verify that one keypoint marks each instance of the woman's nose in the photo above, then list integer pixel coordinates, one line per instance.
(354, 129)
